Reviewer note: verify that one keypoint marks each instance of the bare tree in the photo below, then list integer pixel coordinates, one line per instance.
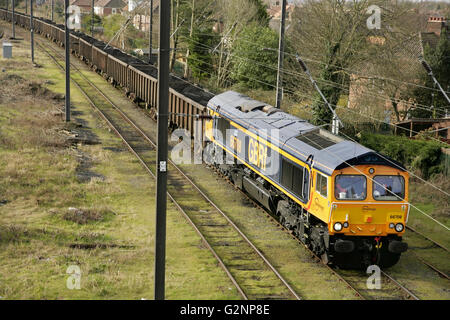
(233, 19)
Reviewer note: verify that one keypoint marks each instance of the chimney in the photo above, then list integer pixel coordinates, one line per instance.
(435, 25)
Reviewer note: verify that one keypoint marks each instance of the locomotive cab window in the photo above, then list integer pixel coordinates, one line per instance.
(389, 188)
(322, 184)
(350, 187)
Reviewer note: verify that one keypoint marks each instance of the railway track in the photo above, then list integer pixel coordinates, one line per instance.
(391, 289)
(249, 270)
(212, 224)
(426, 244)
(241, 260)
(213, 228)
(136, 146)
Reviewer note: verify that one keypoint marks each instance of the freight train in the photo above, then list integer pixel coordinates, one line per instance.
(347, 203)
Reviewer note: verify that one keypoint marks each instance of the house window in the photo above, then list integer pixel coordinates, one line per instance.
(114, 10)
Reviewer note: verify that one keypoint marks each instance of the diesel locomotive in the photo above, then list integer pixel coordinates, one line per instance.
(346, 202)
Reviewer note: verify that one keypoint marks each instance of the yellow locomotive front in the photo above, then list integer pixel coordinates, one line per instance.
(368, 214)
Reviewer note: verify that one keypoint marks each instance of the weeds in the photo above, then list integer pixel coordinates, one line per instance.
(85, 215)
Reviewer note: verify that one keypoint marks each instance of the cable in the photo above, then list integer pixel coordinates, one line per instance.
(340, 68)
(387, 159)
(376, 182)
(418, 106)
(335, 155)
(298, 94)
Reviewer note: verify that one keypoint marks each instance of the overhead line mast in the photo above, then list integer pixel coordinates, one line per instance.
(430, 73)
(162, 148)
(281, 56)
(66, 47)
(336, 121)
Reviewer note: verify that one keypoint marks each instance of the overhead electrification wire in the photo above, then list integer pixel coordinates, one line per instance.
(410, 172)
(384, 98)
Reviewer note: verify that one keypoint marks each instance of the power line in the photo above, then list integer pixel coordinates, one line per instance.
(375, 182)
(341, 87)
(321, 120)
(341, 68)
(333, 84)
(336, 106)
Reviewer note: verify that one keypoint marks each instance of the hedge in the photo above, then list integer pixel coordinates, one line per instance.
(421, 156)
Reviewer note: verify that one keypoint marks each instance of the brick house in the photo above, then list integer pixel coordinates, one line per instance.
(142, 21)
(107, 7)
(84, 5)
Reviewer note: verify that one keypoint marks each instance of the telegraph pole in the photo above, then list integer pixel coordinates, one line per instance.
(281, 56)
(151, 33)
(66, 46)
(92, 19)
(12, 19)
(161, 174)
(31, 31)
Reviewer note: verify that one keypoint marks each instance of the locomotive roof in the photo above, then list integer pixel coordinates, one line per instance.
(296, 136)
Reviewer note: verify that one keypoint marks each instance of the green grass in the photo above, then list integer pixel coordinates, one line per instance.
(39, 239)
(431, 203)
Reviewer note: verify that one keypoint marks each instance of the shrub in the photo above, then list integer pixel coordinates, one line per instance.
(418, 155)
(254, 63)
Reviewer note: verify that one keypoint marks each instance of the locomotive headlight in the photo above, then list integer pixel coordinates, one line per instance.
(391, 225)
(338, 226)
(399, 227)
